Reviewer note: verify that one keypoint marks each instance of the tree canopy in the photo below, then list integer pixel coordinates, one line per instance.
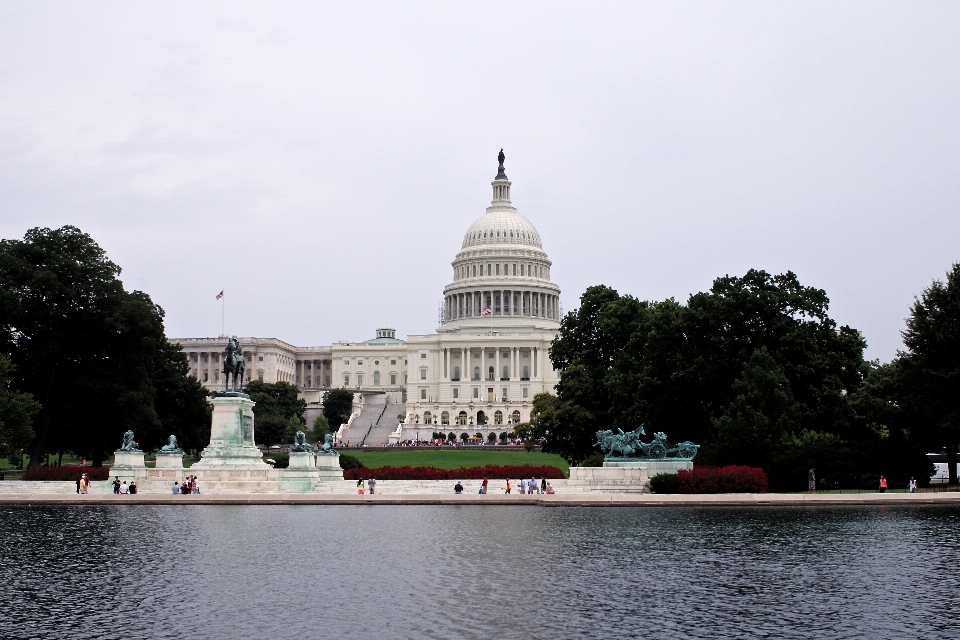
(92, 354)
(337, 407)
(16, 415)
(279, 412)
(754, 370)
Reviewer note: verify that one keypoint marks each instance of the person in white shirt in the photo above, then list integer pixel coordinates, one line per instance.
(124, 488)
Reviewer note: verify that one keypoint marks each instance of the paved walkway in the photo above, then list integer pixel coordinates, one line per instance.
(557, 500)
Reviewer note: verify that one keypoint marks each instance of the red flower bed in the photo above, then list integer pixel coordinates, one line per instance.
(463, 473)
(66, 473)
(731, 479)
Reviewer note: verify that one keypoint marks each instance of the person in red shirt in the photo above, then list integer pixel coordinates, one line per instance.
(883, 484)
(483, 487)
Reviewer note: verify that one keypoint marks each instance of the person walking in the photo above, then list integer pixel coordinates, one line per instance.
(883, 484)
(543, 485)
(79, 481)
(812, 480)
(83, 483)
(483, 486)
(360, 486)
(912, 485)
(523, 486)
(508, 486)
(195, 487)
(372, 483)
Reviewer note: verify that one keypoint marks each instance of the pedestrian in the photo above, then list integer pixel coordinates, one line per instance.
(124, 489)
(79, 481)
(195, 487)
(532, 486)
(812, 480)
(912, 485)
(483, 487)
(543, 485)
(176, 488)
(84, 483)
(372, 483)
(133, 486)
(883, 484)
(458, 488)
(523, 486)
(360, 486)
(116, 484)
(508, 486)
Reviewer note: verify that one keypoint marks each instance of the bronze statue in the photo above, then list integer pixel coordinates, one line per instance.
(300, 443)
(172, 446)
(129, 444)
(327, 446)
(233, 364)
(501, 172)
(627, 446)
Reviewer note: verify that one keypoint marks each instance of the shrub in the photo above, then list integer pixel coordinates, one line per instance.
(593, 460)
(66, 473)
(731, 479)
(664, 483)
(463, 473)
(350, 462)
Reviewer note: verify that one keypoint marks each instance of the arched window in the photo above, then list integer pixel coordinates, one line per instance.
(490, 373)
(451, 437)
(376, 378)
(444, 418)
(492, 438)
(462, 417)
(498, 417)
(481, 417)
(526, 373)
(456, 373)
(474, 271)
(506, 373)
(427, 417)
(476, 373)
(515, 417)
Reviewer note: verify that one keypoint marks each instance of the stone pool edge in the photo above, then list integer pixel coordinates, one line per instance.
(570, 500)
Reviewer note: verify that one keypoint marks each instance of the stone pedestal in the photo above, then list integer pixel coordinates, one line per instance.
(167, 460)
(301, 474)
(624, 475)
(231, 436)
(128, 465)
(328, 466)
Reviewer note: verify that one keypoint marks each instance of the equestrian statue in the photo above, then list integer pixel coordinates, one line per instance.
(233, 364)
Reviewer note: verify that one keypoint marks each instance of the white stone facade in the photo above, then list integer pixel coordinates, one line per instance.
(478, 373)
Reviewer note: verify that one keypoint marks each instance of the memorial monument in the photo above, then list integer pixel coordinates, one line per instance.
(170, 455)
(128, 460)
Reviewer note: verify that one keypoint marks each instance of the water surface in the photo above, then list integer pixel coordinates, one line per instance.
(380, 571)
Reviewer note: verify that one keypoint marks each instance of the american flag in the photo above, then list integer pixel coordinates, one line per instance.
(485, 312)
(220, 295)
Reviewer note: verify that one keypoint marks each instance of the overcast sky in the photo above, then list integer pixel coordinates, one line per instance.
(322, 161)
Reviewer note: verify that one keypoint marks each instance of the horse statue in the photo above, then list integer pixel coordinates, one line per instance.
(300, 443)
(233, 364)
(129, 444)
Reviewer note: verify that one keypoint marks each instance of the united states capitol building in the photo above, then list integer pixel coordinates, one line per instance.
(477, 374)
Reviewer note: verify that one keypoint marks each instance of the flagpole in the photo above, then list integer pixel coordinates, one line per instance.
(223, 314)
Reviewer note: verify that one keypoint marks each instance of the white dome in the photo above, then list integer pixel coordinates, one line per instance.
(502, 226)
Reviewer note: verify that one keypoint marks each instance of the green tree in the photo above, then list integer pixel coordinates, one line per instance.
(88, 351)
(16, 416)
(930, 366)
(278, 406)
(320, 427)
(337, 406)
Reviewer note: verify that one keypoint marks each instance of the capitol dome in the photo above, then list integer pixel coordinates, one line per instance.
(501, 271)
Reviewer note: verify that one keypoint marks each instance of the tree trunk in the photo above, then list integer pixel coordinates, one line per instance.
(952, 462)
(40, 442)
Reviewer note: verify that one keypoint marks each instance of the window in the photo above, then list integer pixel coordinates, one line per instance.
(423, 394)
(359, 362)
(456, 393)
(526, 373)
(474, 271)
(498, 269)
(260, 375)
(423, 374)
(346, 361)
(490, 373)
(206, 375)
(476, 392)
(514, 268)
(526, 354)
(346, 380)
(525, 390)
(427, 417)
(376, 378)
(498, 417)
(444, 418)
(359, 379)
(393, 378)
(476, 373)
(462, 417)
(515, 417)
(503, 393)
(456, 373)
(393, 362)
(260, 358)
(376, 362)
(423, 356)
(506, 373)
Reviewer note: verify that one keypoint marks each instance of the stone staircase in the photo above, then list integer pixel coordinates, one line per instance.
(373, 426)
(385, 424)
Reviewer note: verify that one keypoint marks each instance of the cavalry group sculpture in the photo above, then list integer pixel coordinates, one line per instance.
(628, 446)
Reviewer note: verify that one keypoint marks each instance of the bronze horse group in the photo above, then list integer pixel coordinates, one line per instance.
(233, 365)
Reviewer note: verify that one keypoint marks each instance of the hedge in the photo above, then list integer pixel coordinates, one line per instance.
(66, 473)
(463, 473)
(730, 479)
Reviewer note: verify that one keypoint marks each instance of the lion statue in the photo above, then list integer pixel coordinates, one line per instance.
(129, 444)
(300, 443)
(172, 446)
(327, 446)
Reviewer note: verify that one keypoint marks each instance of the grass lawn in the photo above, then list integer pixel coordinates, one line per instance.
(453, 458)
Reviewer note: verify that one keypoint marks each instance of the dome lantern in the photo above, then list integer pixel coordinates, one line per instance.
(501, 185)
